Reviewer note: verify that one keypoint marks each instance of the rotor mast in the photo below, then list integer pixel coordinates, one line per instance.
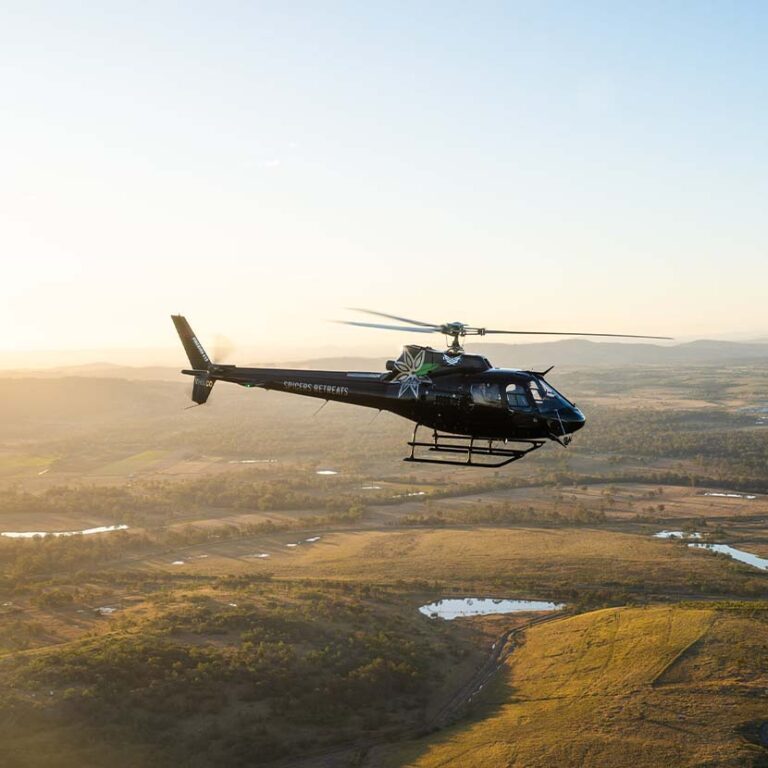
(458, 331)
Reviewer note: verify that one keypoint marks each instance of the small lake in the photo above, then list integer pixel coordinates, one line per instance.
(676, 535)
(84, 532)
(459, 607)
(737, 554)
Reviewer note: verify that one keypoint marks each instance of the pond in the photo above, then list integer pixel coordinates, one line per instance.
(455, 608)
(737, 554)
(84, 532)
(676, 535)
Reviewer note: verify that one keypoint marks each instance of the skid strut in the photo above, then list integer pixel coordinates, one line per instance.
(471, 448)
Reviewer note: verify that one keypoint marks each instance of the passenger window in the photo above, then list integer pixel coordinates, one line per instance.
(516, 396)
(486, 394)
(536, 393)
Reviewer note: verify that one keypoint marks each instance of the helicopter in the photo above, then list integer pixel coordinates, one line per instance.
(479, 415)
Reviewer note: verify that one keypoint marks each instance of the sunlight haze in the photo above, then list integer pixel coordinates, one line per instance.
(260, 167)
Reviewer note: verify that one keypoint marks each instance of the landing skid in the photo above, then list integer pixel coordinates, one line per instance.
(471, 448)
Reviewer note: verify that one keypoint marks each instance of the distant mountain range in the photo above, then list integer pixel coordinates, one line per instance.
(580, 352)
(570, 352)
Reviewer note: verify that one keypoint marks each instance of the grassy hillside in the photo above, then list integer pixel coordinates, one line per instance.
(673, 686)
(226, 672)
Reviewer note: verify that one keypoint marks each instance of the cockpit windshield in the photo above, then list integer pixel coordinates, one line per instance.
(531, 393)
(546, 395)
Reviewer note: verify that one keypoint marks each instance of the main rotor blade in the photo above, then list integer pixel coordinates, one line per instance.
(558, 333)
(410, 329)
(394, 317)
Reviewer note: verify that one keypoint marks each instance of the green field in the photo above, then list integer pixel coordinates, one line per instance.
(28, 464)
(139, 462)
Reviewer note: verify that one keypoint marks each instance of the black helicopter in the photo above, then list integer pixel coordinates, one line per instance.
(473, 409)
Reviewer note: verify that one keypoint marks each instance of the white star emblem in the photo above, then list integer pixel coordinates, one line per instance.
(407, 368)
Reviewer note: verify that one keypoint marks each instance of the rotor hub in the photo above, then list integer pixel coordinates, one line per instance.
(455, 329)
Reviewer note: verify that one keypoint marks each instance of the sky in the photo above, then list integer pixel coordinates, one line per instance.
(259, 167)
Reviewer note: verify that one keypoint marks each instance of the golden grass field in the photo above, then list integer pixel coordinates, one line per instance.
(658, 686)
(560, 558)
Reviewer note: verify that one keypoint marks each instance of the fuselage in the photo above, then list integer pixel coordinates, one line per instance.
(451, 392)
(494, 403)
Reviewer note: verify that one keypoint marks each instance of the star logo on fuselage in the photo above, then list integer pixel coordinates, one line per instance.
(411, 372)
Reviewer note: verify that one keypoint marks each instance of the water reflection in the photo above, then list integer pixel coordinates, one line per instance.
(736, 554)
(84, 532)
(454, 608)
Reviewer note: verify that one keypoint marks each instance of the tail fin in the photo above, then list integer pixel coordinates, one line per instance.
(194, 349)
(198, 358)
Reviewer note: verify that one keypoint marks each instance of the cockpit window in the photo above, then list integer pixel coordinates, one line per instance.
(551, 392)
(516, 396)
(486, 394)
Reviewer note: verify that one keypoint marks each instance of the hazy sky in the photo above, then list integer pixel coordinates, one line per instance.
(260, 166)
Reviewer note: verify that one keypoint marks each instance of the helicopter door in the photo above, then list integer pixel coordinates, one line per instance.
(486, 394)
(516, 398)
